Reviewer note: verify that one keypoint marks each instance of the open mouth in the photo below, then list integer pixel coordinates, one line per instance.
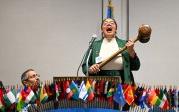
(109, 30)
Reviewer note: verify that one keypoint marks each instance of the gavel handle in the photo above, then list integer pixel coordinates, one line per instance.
(114, 55)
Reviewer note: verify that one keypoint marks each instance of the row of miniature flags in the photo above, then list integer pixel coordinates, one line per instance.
(146, 97)
(16, 98)
(69, 89)
(143, 96)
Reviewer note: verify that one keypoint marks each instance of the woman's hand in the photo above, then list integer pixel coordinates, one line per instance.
(130, 48)
(94, 69)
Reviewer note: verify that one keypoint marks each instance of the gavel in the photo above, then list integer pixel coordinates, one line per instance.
(143, 36)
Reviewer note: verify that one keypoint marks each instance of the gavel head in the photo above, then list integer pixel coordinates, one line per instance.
(144, 33)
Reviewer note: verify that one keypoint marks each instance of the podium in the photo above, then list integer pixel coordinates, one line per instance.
(63, 104)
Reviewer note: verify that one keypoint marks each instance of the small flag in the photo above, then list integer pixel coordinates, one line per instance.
(48, 88)
(175, 98)
(110, 92)
(93, 85)
(83, 91)
(137, 95)
(106, 87)
(142, 99)
(97, 88)
(2, 105)
(75, 90)
(66, 90)
(90, 91)
(19, 89)
(10, 97)
(165, 101)
(152, 98)
(56, 91)
(129, 96)
(119, 96)
(43, 95)
(69, 93)
(101, 89)
(2, 91)
(26, 96)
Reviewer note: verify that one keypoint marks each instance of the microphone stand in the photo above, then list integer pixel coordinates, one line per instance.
(81, 62)
(87, 54)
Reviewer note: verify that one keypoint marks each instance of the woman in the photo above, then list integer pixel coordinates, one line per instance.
(122, 65)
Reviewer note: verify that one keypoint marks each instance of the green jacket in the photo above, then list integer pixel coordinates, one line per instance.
(129, 63)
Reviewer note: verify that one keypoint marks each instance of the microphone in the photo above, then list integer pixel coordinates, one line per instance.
(94, 36)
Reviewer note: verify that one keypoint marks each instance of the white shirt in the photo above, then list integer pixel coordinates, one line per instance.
(108, 48)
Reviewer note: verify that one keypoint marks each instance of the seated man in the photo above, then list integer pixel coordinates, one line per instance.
(31, 79)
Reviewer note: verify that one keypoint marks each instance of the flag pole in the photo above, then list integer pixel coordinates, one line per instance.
(102, 15)
(102, 10)
(127, 28)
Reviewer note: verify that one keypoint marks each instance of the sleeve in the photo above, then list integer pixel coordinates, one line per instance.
(134, 63)
(84, 68)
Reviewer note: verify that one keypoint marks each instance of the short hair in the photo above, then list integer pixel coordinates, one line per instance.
(109, 18)
(24, 76)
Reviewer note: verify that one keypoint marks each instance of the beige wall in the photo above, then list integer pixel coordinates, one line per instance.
(51, 36)
(159, 57)
(47, 35)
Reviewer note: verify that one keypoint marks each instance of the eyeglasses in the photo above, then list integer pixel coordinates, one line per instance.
(33, 76)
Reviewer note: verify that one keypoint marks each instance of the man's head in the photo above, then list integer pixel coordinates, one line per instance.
(30, 79)
(109, 28)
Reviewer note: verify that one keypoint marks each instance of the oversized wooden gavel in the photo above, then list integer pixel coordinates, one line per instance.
(143, 36)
